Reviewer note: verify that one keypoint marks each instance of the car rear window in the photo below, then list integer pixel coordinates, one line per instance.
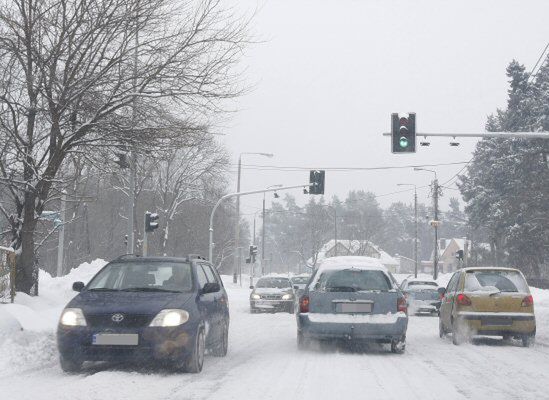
(504, 281)
(353, 280)
(143, 276)
(426, 283)
(279, 283)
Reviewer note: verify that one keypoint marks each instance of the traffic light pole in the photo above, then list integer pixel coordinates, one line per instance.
(238, 194)
(435, 201)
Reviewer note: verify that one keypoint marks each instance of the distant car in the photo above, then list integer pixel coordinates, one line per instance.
(422, 295)
(272, 293)
(146, 309)
(488, 301)
(352, 298)
(299, 282)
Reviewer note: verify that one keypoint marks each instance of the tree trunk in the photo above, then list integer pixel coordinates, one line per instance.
(25, 265)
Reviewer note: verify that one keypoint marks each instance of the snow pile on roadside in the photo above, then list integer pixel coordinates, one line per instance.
(541, 308)
(34, 347)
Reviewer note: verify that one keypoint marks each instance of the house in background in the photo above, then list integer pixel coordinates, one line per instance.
(357, 248)
(447, 250)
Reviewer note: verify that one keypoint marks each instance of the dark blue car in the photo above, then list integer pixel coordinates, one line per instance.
(165, 310)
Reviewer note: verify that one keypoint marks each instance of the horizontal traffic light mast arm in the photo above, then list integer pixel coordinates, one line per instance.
(524, 135)
(276, 189)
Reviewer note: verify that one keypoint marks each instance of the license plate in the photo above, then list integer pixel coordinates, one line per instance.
(354, 307)
(115, 339)
(497, 321)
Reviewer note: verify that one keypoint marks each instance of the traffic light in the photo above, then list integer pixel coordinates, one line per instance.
(459, 255)
(150, 221)
(122, 160)
(253, 254)
(403, 133)
(316, 182)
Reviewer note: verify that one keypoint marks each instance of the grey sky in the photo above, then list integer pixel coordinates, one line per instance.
(330, 72)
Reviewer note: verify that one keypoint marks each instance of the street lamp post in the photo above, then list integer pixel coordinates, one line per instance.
(415, 218)
(435, 221)
(237, 224)
(263, 231)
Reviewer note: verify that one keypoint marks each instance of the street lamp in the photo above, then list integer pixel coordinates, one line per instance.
(415, 214)
(237, 224)
(263, 231)
(435, 223)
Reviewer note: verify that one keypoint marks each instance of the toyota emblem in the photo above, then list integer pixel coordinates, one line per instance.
(117, 317)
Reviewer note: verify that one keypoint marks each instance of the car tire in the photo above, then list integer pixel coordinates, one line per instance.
(528, 340)
(458, 337)
(291, 309)
(398, 346)
(195, 361)
(441, 330)
(70, 365)
(302, 342)
(222, 346)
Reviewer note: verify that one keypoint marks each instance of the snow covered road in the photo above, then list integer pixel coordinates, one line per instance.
(264, 363)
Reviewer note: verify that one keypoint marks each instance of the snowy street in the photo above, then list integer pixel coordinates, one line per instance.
(264, 363)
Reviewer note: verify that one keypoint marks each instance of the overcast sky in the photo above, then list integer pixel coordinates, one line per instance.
(330, 72)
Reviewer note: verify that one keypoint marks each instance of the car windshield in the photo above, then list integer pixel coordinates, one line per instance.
(504, 281)
(421, 285)
(298, 280)
(143, 276)
(279, 283)
(353, 280)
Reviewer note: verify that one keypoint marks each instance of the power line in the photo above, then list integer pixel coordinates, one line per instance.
(537, 62)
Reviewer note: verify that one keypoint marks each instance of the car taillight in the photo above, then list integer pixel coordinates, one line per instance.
(463, 300)
(401, 305)
(304, 304)
(527, 301)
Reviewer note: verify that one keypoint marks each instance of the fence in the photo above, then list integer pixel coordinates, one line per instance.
(7, 274)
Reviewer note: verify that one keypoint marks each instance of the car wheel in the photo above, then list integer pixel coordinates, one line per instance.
(398, 346)
(291, 309)
(441, 331)
(222, 346)
(458, 336)
(528, 340)
(196, 359)
(302, 342)
(70, 364)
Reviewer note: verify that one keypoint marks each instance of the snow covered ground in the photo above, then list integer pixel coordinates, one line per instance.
(263, 361)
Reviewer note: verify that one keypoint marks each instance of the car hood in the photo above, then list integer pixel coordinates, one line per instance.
(272, 291)
(128, 302)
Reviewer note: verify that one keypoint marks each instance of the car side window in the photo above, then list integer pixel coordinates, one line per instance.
(452, 285)
(201, 276)
(209, 273)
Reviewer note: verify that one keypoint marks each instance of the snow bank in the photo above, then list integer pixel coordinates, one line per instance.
(27, 327)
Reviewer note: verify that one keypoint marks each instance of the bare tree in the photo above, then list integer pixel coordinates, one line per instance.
(70, 72)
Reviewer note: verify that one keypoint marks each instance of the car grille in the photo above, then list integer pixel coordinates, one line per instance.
(271, 297)
(129, 321)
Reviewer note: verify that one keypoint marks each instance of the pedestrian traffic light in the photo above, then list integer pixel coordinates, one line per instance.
(403, 133)
(150, 221)
(459, 254)
(316, 182)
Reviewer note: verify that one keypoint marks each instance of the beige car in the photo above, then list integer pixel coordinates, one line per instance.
(488, 301)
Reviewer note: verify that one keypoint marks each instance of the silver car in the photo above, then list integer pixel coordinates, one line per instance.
(422, 294)
(352, 298)
(272, 294)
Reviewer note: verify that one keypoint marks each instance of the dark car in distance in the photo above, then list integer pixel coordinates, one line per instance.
(147, 310)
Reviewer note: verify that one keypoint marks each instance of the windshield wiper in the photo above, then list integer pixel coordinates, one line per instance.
(149, 289)
(340, 289)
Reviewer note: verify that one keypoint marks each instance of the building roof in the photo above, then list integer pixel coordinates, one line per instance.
(354, 245)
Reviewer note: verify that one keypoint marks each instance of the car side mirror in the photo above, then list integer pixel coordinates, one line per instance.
(441, 291)
(296, 287)
(317, 286)
(78, 286)
(211, 287)
(251, 286)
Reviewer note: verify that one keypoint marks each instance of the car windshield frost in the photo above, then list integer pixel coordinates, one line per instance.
(504, 281)
(353, 280)
(279, 283)
(144, 277)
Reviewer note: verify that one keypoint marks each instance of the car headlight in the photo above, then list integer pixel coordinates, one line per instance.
(288, 296)
(72, 317)
(170, 317)
(255, 296)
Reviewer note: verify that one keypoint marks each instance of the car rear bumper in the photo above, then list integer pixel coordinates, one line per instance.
(492, 323)
(420, 306)
(154, 344)
(383, 328)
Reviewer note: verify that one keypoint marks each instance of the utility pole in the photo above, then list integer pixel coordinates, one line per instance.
(416, 255)
(263, 239)
(61, 245)
(435, 203)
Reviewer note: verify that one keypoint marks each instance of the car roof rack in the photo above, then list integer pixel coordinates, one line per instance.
(196, 257)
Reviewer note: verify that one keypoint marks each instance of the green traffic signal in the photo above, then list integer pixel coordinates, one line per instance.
(403, 142)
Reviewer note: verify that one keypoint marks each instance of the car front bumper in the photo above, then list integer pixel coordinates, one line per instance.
(272, 305)
(499, 323)
(154, 344)
(382, 328)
